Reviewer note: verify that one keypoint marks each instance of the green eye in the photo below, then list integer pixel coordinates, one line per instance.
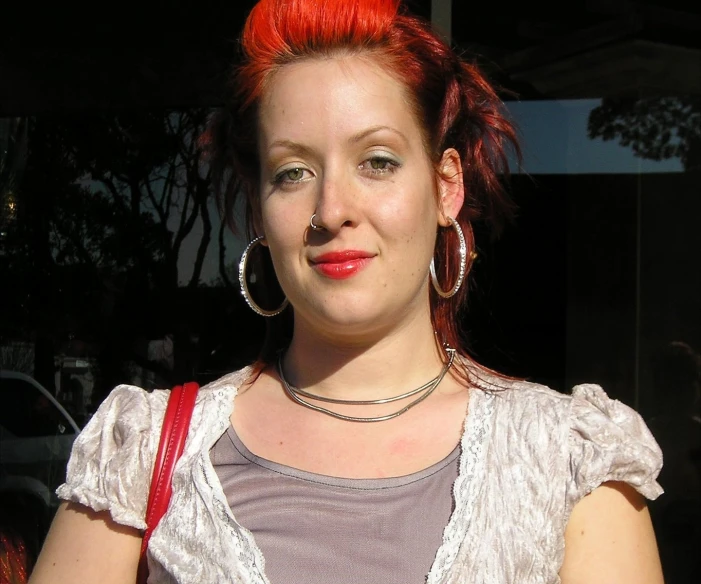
(380, 165)
(295, 174)
(291, 176)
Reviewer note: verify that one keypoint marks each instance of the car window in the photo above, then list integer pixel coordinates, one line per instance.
(26, 412)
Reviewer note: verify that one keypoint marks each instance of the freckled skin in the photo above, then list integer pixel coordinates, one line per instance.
(394, 215)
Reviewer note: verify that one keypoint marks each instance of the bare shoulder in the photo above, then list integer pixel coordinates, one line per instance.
(609, 539)
(86, 546)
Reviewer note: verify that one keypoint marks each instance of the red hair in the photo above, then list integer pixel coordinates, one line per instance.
(452, 100)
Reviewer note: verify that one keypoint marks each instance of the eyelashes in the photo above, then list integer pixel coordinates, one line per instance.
(375, 166)
(379, 165)
(291, 176)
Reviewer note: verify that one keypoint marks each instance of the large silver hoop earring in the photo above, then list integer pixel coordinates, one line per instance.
(244, 286)
(463, 264)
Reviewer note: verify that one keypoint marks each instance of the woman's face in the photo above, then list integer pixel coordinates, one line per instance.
(339, 139)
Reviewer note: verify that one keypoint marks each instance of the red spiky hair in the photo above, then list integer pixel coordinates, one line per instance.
(453, 102)
(280, 31)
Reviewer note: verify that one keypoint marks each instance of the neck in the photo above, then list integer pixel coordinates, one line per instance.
(366, 369)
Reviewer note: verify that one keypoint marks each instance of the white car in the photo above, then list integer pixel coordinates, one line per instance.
(36, 436)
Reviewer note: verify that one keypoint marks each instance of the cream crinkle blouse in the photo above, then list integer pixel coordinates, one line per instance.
(528, 454)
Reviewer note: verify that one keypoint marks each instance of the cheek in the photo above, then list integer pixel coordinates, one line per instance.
(280, 218)
(284, 227)
(411, 220)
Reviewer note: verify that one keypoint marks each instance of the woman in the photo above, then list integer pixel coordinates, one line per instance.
(371, 448)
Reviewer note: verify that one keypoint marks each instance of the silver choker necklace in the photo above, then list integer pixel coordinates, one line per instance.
(299, 395)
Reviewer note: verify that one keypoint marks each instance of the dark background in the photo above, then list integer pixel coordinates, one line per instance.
(598, 280)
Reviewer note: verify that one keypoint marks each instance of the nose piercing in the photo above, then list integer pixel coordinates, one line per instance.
(313, 225)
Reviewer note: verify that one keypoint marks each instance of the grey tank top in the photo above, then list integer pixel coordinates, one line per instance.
(315, 529)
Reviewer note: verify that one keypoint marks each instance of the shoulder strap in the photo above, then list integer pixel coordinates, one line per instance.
(176, 423)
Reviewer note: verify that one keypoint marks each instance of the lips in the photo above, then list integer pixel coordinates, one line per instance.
(341, 264)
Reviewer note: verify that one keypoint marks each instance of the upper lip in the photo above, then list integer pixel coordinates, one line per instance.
(338, 257)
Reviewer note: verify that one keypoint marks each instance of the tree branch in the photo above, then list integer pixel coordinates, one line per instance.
(204, 243)
(222, 256)
(152, 197)
(116, 197)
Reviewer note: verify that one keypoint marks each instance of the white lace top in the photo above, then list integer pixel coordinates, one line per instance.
(528, 455)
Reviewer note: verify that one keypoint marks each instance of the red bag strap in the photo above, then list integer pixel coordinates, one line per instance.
(176, 423)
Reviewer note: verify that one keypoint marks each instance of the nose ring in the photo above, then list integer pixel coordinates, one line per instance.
(313, 225)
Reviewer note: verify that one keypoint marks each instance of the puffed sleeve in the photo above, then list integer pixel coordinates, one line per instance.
(112, 458)
(609, 442)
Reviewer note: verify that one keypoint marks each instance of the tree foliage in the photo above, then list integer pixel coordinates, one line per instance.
(104, 206)
(656, 128)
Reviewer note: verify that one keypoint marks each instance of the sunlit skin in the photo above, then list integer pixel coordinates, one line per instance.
(338, 138)
(352, 152)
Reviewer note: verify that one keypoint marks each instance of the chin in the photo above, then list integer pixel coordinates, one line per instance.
(352, 319)
(347, 319)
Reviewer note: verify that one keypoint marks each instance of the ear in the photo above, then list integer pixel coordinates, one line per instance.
(451, 188)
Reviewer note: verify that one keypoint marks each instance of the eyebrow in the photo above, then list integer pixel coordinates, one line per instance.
(374, 129)
(290, 145)
(354, 139)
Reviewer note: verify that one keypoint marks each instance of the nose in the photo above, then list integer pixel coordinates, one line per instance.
(336, 205)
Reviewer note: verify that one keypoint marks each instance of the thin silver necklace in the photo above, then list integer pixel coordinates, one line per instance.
(298, 395)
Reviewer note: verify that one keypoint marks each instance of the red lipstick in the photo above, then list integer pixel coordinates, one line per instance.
(343, 264)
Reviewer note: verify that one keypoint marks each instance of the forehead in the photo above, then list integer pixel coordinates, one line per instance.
(332, 99)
